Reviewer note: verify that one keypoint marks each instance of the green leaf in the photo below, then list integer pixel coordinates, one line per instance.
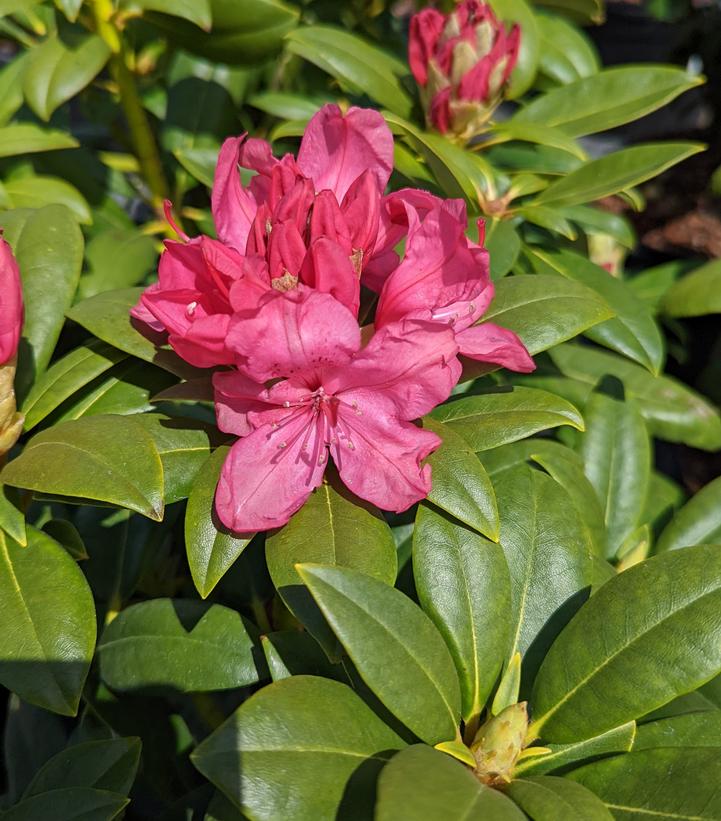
(26, 138)
(107, 459)
(116, 258)
(461, 485)
(211, 547)
(183, 445)
(148, 645)
(299, 764)
(357, 65)
(198, 162)
(66, 376)
(580, 11)
(701, 729)
(619, 740)
(420, 782)
(651, 285)
(107, 316)
(615, 172)
(11, 93)
(666, 784)
(632, 331)
(44, 657)
(549, 798)
(37, 191)
(596, 221)
(673, 411)
(566, 468)
(70, 8)
(505, 415)
(698, 521)
(545, 310)
(66, 534)
(648, 635)
(293, 653)
(463, 584)
(334, 528)
(48, 246)
(616, 452)
(12, 517)
(548, 219)
(60, 67)
(547, 550)
(608, 99)
(287, 106)
(68, 804)
(535, 133)
(566, 53)
(395, 647)
(503, 244)
(698, 293)
(109, 765)
(524, 72)
(196, 11)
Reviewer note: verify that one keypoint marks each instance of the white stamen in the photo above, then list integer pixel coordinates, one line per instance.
(190, 310)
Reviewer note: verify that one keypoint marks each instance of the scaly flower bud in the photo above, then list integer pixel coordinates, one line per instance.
(11, 320)
(498, 744)
(462, 63)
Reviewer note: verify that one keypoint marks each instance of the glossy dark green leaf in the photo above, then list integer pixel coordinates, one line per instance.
(148, 645)
(490, 419)
(563, 465)
(545, 310)
(648, 635)
(196, 11)
(504, 244)
(560, 756)
(697, 522)
(26, 138)
(696, 294)
(420, 782)
(536, 133)
(48, 246)
(184, 446)
(45, 658)
(355, 63)
(66, 534)
(294, 748)
(37, 191)
(616, 452)
(672, 410)
(116, 258)
(666, 784)
(566, 54)
(66, 376)
(107, 316)
(198, 162)
(103, 765)
(701, 729)
(211, 548)
(295, 653)
(395, 647)
(461, 485)
(610, 98)
(12, 516)
(597, 221)
(549, 798)
(68, 804)
(287, 106)
(632, 331)
(108, 459)
(464, 585)
(332, 528)
(547, 550)
(60, 67)
(615, 172)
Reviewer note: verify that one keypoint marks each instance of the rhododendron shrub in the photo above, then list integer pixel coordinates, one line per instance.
(342, 476)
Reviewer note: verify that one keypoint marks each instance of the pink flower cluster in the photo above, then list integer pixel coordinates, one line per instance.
(275, 300)
(11, 304)
(461, 61)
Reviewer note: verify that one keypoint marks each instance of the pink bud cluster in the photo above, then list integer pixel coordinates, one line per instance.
(325, 342)
(462, 62)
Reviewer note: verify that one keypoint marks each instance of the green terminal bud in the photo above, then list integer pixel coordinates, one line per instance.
(11, 422)
(498, 745)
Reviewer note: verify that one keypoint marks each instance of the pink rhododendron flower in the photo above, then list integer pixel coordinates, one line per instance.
(461, 61)
(445, 275)
(335, 399)
(11, 304)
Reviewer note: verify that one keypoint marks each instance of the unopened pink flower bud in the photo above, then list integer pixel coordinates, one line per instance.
(462, 63)
(11, 304)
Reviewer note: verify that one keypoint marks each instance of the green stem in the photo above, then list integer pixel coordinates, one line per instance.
(141, 133)
(261, 615)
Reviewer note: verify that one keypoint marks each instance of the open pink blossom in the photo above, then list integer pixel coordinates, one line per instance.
(461, 61)
(11, 304)
(445, 273)
(337, 399)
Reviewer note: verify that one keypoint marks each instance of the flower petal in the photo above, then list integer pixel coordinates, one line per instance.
(491, 343)
(328, 269)
(426, 29)
(269, 474)
(237, 396)
(380, 459)
(233, 207)
(337, 149)
(11, 303)
(411, 363)
(298, 332)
